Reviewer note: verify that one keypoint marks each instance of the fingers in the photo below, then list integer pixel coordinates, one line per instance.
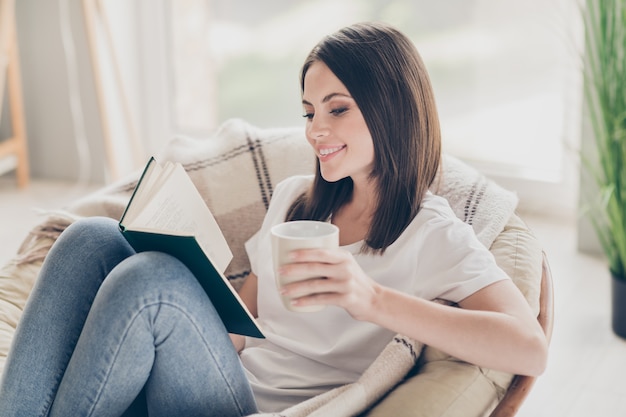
(331, 288)
(328, 282)
(317, 299)
(289, 273)
(313, 263)
(324, 291)
(321, 255)
(308, 287)
(337, 280)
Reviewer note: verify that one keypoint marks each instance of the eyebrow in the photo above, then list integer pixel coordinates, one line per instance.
(327, 98)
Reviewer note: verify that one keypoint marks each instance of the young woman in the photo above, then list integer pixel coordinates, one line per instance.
(106, 329)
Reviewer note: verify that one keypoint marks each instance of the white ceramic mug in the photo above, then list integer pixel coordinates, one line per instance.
(300, 234)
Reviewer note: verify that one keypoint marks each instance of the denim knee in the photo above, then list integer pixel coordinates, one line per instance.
(91, 239)
(156, 277)
(152, 272)
(89, 231)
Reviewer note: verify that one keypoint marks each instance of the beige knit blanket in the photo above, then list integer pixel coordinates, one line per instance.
(235, 172)
(389, 368)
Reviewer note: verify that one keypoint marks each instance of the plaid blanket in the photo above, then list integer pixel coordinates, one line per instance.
(235, 171)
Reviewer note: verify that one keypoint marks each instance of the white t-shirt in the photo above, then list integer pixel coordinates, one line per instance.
(305, 354)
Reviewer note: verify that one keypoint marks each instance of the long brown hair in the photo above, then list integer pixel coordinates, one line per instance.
(386, 77)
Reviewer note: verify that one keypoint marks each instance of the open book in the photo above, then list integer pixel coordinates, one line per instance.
(166, 213)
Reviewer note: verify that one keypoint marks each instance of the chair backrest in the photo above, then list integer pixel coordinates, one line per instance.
(521, 384)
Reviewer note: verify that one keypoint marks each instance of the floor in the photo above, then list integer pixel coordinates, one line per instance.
(21, 209)
(587, 368)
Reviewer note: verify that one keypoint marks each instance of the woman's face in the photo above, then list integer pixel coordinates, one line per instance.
(335, 127)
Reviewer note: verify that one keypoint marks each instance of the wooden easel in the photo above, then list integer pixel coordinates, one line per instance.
(15, 146)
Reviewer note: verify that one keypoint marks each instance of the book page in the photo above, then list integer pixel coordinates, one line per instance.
(173, 205)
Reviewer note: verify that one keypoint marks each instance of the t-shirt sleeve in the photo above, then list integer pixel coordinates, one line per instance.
(453, 262)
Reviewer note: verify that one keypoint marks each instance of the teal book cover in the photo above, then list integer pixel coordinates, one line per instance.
(236, 319)
(167, 214)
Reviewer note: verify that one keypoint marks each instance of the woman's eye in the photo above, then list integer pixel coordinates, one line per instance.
(339, 111)
(308, 116)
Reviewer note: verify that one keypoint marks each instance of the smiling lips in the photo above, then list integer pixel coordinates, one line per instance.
(329, 151)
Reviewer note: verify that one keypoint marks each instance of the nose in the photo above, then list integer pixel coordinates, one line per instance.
(318, 129)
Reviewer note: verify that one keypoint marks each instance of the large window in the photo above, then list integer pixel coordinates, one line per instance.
(504, 74)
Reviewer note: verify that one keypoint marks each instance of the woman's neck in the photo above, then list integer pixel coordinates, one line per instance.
(355, 217)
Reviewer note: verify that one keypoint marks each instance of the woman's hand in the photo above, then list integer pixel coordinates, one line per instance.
(239, 341)
(342, 282)
(494, 328)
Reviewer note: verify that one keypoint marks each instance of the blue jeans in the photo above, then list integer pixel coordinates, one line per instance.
(110, 332)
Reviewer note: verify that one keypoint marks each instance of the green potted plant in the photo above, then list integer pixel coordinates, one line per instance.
(605, 103)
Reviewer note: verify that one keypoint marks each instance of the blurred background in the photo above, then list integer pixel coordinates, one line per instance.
(107, 83)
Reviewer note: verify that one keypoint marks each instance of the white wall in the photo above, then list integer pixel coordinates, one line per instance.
(52, 147)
